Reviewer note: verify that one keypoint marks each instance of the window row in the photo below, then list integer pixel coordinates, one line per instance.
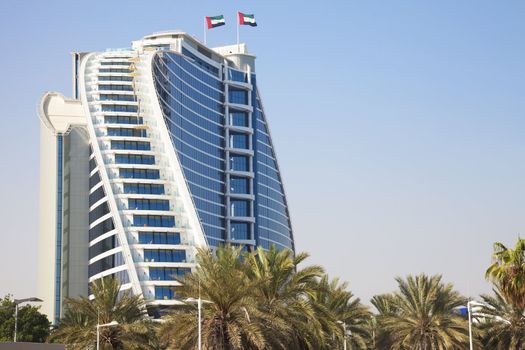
(139, 173)
(113, 97)
(126, 132)
(98, 212)
(101, 228)
(238, 118)
(153, 221)
(167, 273)
(239, 185)
(164, 255)
(131, 145)
(143, 188)
(148, 204)
(239, 140)
(164, 293)
(114, 87)
(120, 119)
(102, 246)
(119, 108)
(96, 196)
(114, 70)
(114, 78)
(134, 159)
(105, 264)
(240, 230)
(159, 238)
(115, 63)
(240, 208)
(239, 163)
(238, 96)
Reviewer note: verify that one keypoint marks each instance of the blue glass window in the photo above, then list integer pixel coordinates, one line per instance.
(143, 188)
(240, 230)
(115, 87)
(131, 145)
(240, 208)
(120, 119)
(139, 173)
(238, 96)
(126, 132)
(98, 212)
(164, 255)
(239, 185)
(114, 70)
(167, 273)
(236, 75)
(96, 196)
(115, 78)
(148, 204)
(239, 163)
(164, 293)
(134, 159)
(115, 63)
(159, 238)
(119, 108)
(153, 221)
(238, 140)
(114, 97)
(101, 228)
(94, 179)
(238, 118)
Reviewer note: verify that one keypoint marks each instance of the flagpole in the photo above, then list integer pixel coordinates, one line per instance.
(204, 31)
(238, 25)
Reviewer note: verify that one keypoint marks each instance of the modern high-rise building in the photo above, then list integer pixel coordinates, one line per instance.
(163, 148)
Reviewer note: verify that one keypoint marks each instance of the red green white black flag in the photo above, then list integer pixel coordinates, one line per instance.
(215, 21)
(246, 19)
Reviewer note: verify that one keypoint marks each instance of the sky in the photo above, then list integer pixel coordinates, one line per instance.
(398, 125)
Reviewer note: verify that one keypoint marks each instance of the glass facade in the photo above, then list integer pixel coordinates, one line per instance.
(222, 141)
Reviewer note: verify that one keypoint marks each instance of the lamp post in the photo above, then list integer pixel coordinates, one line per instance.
(343, 323)
(469, 310)
(20, 301)
(199, 310)
(112, 323)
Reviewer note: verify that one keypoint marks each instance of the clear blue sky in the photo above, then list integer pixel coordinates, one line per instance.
(399, 125)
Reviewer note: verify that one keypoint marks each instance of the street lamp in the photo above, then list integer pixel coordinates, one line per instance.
(112, 323)
(199, 308)
(469, 310)
(20, 301)
(343, 323)
(199, 302)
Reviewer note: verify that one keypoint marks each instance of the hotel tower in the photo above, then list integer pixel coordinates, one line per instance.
(163, 148)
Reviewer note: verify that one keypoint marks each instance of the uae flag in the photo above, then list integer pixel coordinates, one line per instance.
(245, 19)
(215, 21)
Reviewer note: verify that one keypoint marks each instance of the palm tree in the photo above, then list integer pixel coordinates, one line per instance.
(502, 323)
(231, 318)
(385, 306)
(421, 316)
(508, 271)
(78, 326)
(282, 293)
(339, 310)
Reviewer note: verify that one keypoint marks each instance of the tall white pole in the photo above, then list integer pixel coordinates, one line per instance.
(238, 25)
(98, 337)
(469, 309)
(344, 335)
(16, 320)
(205, 29)
(199, 302)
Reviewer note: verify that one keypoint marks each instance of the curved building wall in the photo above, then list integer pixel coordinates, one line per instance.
(220, 133)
